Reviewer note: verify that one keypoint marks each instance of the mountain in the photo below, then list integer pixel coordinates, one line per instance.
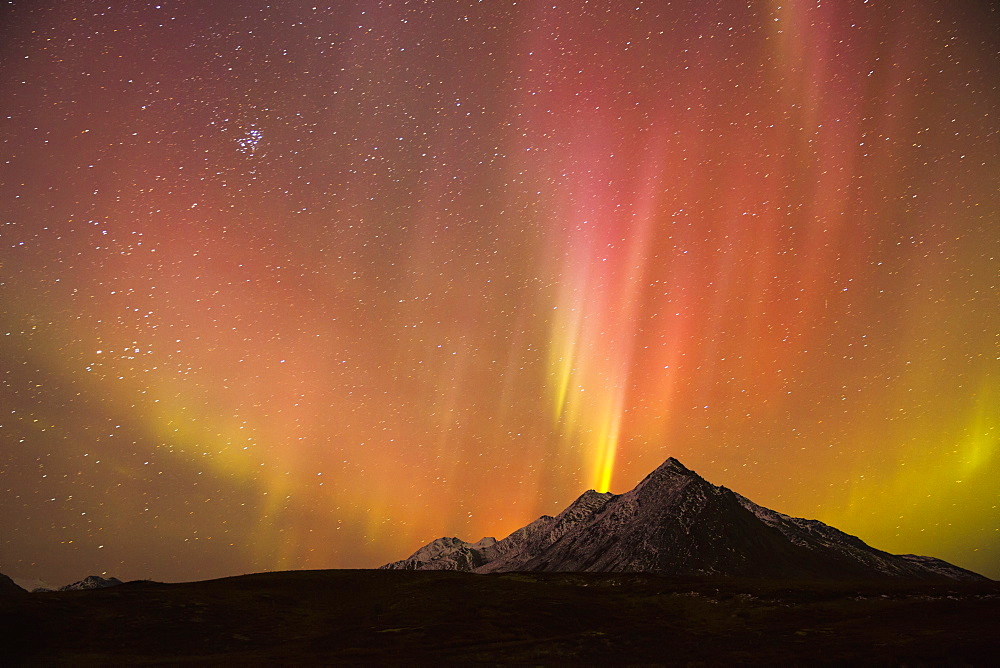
(31, 584)
(89, 582)
(447, 554)
(9, 588)
(674, 522)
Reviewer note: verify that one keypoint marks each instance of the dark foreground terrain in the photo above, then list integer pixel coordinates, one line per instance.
(405, 617)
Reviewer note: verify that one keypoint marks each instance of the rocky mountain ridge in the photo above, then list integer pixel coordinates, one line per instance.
(676, 523)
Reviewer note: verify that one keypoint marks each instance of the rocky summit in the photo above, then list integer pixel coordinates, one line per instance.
(674, 522)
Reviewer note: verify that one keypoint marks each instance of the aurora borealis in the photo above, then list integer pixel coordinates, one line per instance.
(302, 285)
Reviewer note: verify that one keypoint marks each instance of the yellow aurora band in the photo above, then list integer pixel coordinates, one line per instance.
(594, 327)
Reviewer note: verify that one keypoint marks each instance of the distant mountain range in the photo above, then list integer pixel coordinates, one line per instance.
(89, 582)
(674, 522)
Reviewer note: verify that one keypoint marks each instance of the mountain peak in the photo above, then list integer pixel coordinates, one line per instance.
(675, 465)
(670, 475)
(672, 468)
(588, 501)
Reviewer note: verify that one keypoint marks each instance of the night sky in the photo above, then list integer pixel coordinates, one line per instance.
(308, 285)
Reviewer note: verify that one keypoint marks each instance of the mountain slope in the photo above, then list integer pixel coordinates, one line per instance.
(676, 523)
(9, 588)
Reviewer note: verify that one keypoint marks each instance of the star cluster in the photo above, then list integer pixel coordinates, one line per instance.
(299, 285)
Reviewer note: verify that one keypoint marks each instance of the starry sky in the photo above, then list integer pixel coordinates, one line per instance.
(309, 284)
